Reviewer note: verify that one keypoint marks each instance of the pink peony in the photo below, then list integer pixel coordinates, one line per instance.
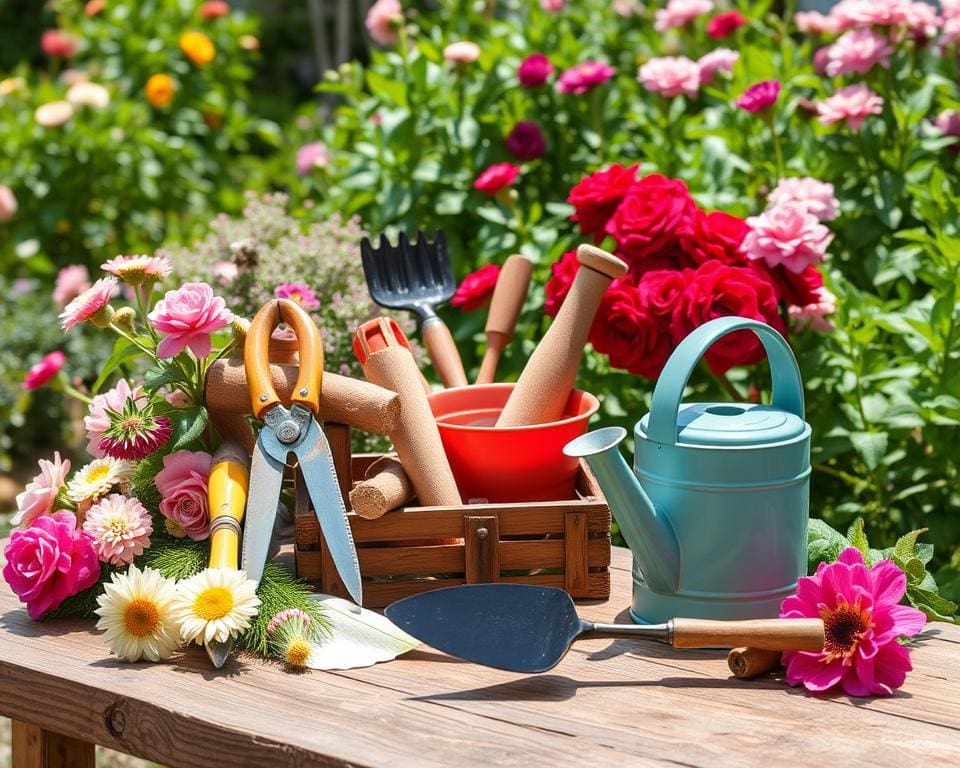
(312, 155)
(679, 13)
(919, 17)
(71, 282)
(53, 114)
(814, 195)
(584, 77)
(671, 76)
(383, 20)
(815, 22)
(858, 51)
(948, 122)
(183, 484)
(89, 305)
(40, 495)
(49, 562)
(534, 70)
(97, 421)
(760, 97)
(497, 177)
(814, 316)
(120, 528)
(463, 52)
(854, 103)
(717, 60)
(787, 234)
(187, 317)
(820, 58)
(57, 44)
(862, 621)
(40, 373)
(298, 292)
(8, 203)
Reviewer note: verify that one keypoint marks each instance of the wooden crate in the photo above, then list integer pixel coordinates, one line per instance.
(415, 549)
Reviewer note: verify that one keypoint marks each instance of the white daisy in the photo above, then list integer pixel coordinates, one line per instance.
(136, 610)
(216, 604)
(98, 477)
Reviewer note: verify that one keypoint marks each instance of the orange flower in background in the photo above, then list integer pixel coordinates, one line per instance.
(197, 47)
(94, 7)
(159, 90)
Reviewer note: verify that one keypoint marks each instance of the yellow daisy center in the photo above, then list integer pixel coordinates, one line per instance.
(141, 617)
(97, 474)
(298, 652)
(117, 526)
(213, 603)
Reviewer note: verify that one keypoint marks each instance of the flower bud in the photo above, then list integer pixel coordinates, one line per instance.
(104, 317)
(124, 317)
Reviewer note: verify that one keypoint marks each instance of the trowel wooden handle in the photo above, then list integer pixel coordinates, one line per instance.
(227, 499)
(508, 297)
(544, 386)
(443, 352)
(764, 634)
(748, 663)
(385, 487)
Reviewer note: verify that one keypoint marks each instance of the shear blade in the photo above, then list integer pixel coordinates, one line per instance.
(266, 477)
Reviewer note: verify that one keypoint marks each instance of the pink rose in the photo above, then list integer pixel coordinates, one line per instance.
(670, 76)
(679, 13)
(183, 484)
(787, 234)
(814, 195)
(58, 44)
(40, 373)
(8, 203)
(497, 177)
(40, 494)
(383, 20)
(814, 22)
(584, 77)
(50, 561)
(312, 155)
(717, 60)
(96, 422)
(187, 317)
(71, 282)
(857, 51)
(814, 316)
(854, 103)
(821, 57)
(463, 52)
(759, 97)
(534, 70)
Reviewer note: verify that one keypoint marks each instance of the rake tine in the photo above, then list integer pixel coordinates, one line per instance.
(369, 265)
(423, 262)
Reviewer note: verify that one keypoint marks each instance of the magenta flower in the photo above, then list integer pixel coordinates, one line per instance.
(787, 234)
(759, 97)
(40, 494)
(497, 177)
(670, 76)
(534, 70)
(862, 622)
(183, 484)
(854, 103)
(134, 432)
(40, 373)
(552, 6)
(97, 420)
(858, 51)
(71, 282)
(89, 305)
(298, 292)
(525, 141)
(187, 317)
(584, 77)
(312, 155)
(49, 562)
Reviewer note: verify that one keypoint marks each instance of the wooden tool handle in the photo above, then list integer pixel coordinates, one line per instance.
(765, 634)
(385, 487)
(256, 353)
(227, 499)
(548, 377)
(748, 663)
(508, 297)
(491, 356)
(443, 352)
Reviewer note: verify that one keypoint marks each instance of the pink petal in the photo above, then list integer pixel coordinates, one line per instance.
(891, 665)
(807, 668)
(851, 556)
(199, 344)
(907, 619)
(170, 346)
(859, 680)
(889, 584)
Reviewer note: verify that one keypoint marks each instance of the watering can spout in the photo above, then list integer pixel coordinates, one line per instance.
(646, 529)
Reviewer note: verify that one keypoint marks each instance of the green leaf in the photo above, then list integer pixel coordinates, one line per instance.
(824, 544)
(872, 446)
(394, 91)
(123, 352)
(189, 426)
(906, 546)
(156, 378)
(858, 537)
(935, 606)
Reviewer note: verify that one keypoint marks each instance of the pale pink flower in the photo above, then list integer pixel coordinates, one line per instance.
(225, 272)
(950, 8)
(553, 6)
(679, 13)
(40, 373)
(86, 94)
(670, 76)
(626, 8)
(922, 19)
(858, 51)
(814, 195)
(138, 269)
(951, 31)
(312, 155)
(918, 17)
(786, 234)
(383, 20)
(53, 113)
(298, 292)
(97, 420)
(854, 103)
(40, 494)
(814, 316)
(183, 485)
(8, 203)
(88, 304)
(71, 282)
(820, 58)
(814, 22)
(120, 528)
(948, 122)
(463, 52)
(717, 60)
(584, 77)
(186, 317)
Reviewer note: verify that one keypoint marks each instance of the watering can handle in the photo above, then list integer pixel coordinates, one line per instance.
(787, 386)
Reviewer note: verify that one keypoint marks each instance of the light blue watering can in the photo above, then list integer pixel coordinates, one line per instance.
(715, 510)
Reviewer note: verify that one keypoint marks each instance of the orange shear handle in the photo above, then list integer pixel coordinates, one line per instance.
(256, 357)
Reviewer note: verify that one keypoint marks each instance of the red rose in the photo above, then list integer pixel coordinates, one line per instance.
(725, 24)
(798, 290)
(715, 235)
(497, 177)
(525, 141)
(598, 195)
(661, 289)
(719, 290)
(626, 331)
(655, 212)
(561, 278)
(475, 288)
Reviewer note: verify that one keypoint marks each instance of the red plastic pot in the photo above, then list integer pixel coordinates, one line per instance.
(514, 463)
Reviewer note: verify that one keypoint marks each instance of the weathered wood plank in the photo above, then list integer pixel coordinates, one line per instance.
(35, 747)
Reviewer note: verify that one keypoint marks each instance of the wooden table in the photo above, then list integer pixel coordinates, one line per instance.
(608, 703)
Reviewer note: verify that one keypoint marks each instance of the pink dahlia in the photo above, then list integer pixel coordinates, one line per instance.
(139, 269)
(858, 51)
(40, 373)
(120, 528)
(134, 432)
(497, 177)
(759, 97)
(584, 77)
(534, 70)
(670, 76)
(312, 155)
(97, 420)
(89, 305)
(854, 103)
(71, 282)
(40, 495)
(679, 13)
(787, 234)
(186, 317)
(298, 292)
(383, 20)
(183, 485)
(814, 195)
(717, 60)
(862, 622)
(814, 316)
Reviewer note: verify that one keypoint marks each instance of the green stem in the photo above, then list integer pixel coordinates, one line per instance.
(68, 389)
(777, 152)
(596, 117)
(133, 340)
(724, 383)
(849, 479)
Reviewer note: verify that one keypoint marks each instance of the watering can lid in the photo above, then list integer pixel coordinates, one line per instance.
(733, 424)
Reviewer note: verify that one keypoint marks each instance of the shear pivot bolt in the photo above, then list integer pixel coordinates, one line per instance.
(303, 392)
(263, 398)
